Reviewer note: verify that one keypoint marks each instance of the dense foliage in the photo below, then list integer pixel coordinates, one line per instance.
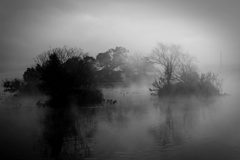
(115, 66)
(12, 86)
(113, 58)
(69, 72)
(63, 73)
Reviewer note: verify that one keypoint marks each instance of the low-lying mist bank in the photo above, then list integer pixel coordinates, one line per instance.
(230, 86)
(139, 125)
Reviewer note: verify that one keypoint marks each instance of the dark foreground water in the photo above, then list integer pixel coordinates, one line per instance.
(137, 126)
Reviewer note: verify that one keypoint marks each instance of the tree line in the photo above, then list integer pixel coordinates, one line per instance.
(65, 71)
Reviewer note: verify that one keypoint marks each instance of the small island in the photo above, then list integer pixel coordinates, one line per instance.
(70, 74)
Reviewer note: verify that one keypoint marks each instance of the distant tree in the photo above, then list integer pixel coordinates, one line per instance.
(52, 76)
(63, 54)
(119, 57)
(12, 85)
(65, 73)
(178, 74)
(104, 59)
(187, 69)
(138, 68)
(141, 64)
(210, 84)
(111, 63)
(61, 73)
(31, 75)
(114, 57)
(32, 79)
(167, 57)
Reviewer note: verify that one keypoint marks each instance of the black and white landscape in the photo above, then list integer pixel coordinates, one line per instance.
(119, 79)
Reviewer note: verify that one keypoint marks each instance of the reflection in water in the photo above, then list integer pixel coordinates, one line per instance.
(189, 130)
(67, 132)
(180, 119)
(138, 126)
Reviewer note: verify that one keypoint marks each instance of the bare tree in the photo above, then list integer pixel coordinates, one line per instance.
(187, 69)
(63, 54)
(167, 58)
(174, 66)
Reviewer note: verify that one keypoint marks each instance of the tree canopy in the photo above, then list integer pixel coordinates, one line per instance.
(114, 57)
(63, 72)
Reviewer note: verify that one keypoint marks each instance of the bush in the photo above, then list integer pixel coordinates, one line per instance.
(69, 72)
(61, 73)
(205, 85)
(179, 74)
(12, 86)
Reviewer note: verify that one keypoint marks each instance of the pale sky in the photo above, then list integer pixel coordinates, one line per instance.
(204, 28)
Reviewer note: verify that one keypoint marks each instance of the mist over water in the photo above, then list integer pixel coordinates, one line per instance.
(137, 126)
(121, 121)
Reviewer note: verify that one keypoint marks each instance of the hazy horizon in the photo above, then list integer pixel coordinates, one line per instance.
(203, 28)
(118, 107)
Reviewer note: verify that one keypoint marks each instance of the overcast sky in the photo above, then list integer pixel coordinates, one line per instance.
(204, 28)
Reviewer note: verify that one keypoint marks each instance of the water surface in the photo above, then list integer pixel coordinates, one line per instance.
(137, 126)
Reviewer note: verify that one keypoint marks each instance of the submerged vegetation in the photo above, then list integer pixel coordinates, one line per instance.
(69, 73)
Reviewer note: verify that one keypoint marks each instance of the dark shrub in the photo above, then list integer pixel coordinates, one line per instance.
(12, 86)
(61, 73)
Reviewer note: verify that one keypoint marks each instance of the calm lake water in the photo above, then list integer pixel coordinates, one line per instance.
(137, 126)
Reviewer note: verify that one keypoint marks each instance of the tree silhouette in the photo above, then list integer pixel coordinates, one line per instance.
(61, 73)
(104, 59)
(119, 57)
(179, 74)
(114, 57)
(168, 57)
(12, 86)
(64, 75)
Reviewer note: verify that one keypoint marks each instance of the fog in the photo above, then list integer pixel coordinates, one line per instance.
(130, 122)
(138, 126)
(203, 28)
